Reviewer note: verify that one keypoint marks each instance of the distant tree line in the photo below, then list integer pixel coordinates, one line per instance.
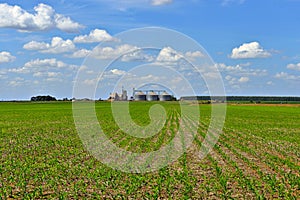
(242, 98)
(43, 98)
(251, 99)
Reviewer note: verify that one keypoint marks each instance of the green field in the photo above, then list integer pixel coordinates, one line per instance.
(257, 156)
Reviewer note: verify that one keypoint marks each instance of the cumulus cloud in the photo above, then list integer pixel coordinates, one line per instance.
(45, 63)
(118, 72)
(231, 80)
(57, 45)
(194, 54)
(108, 77)
(96, 35)
(40, 66)
(235, 83)
(129, 53)
(80, 53)
(6, 57)
(286, 76)
(38, 46)
(168, 54)
(111, 53)
(237, 76)
(244, 79)
(47, 74)
(16, 82)
(241, 70)
(45, 18)
(294, 66)
(90, 82)
(105, 53)
(249, 50)
(137, 55)
(160, 2)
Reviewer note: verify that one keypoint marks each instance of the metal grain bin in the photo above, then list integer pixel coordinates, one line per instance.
(152, 96)
(165, 97)
(139, 96)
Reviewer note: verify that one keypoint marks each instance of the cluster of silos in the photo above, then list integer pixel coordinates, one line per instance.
(152, 96)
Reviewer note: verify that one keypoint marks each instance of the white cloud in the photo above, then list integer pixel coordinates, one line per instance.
(47, 74)
(15, 83)
(137, 55)
(235, 83)
(118, 72)
(294, 66)
(54, 79)
(45, 63)
(107, 77)
(160, 2)
(149, 78)
(38, 66)
(240, 70)
(228, 77)
(249, 50)
(45, 18)
(231, 80)
(112, 53)
(229, 68)
(236, 77)
(90, 81)
(127, 53)
(104, 53)
(194, 54)
(39, 46)
(6, 57)
(96, 35)
(244, 79)
(21, 70)
(57, 45)
(80, 53)
(286, 76)
(168, 54)
(66, 24)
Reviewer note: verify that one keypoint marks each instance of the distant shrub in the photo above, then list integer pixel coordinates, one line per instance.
(43, 98)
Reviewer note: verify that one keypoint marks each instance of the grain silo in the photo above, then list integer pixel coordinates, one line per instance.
(152, 96)
(165, 97)
(139, 96)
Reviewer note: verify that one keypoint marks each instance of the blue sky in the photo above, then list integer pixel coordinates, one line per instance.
(255, 44)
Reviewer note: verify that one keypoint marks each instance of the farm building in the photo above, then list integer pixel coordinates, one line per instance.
(118, 97)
